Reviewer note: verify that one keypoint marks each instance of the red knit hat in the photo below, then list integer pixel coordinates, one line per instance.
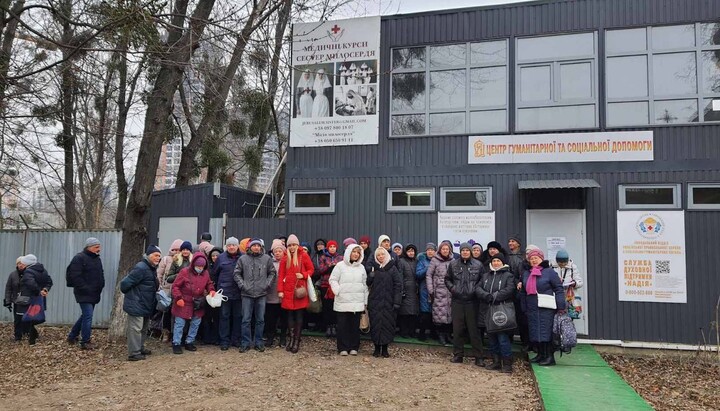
(365, 239)
(332, 243)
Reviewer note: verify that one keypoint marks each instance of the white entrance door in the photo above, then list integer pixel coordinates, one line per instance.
(556, 226)
(171, 228)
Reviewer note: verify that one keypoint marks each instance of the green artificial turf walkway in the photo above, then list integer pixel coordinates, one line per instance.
(583, 380)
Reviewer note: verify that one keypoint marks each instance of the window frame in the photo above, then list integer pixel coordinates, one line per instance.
(555, 101)
(699, 96)
(691, 196)
(445, 207)
(468, 67)
(409, 209)
(294, 209)
(677, 197)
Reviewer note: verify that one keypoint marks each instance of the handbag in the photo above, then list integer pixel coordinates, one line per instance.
(35, 312)
(315, 307)
(312, 293)
(573, 304)
(547, 301)
(500, 317)
(164, 301)
(300, 292)
(365, 322)
(22, 300)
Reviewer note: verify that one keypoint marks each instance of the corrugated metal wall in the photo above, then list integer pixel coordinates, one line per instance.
(361, 174)
(54, 250)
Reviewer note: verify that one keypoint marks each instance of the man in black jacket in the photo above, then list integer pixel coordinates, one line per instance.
(139, 287)
(86, 276)
(462, 278)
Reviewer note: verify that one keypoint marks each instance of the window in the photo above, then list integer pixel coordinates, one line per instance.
(465, 198)
(312, 201)
(704, 196)
(650, 196)
(449, 89)
(411, 199)
(557, 82)
(662, 75)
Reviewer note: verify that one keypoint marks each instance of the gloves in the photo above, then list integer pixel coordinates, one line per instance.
(489, 298)
(180, 303)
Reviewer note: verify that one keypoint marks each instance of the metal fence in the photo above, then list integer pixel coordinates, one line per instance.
(54, 250)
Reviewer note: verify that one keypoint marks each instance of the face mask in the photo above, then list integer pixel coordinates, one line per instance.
(199, 269)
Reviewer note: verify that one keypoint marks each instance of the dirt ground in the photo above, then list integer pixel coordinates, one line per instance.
(54, 375)
(672, 383)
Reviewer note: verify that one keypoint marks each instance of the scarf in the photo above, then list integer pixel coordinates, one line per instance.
(535, 272)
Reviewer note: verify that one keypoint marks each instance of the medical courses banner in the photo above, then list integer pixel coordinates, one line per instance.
(561, 148)
(472, 228)
(335, 83)
(651, 256)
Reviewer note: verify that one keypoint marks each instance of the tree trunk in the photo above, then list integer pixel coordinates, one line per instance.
(215, 98)
(67, 88)
(8, 29)
(159, 108)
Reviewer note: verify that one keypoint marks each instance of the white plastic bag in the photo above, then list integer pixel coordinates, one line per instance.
(216, 300)
(311, 290)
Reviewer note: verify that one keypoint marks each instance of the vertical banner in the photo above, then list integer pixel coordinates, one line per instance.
(651, 256)
(335, 68)
(466, 227)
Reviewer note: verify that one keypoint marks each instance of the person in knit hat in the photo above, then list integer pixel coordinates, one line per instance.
(205, 246)
(328, 261)
(188, 292)
(477, 251)
(367, 251)
(462, 279)
(274, 315)
(295, 269)
(34, 282)
(425, 322)
(139, 287)
(230, 310)
(540, 279)
(571, 279)
(86, 276)
(496, 287)
(180, 261)
(397, 249)
(384, 242)
(348, 241)
(253, 275)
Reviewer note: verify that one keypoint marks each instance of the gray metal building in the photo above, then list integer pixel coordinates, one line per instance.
(649, 65)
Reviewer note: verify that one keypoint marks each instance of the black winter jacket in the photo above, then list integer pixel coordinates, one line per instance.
(410, 303)
(495, 287)
(12, 288)
(86, 276)
(35, 278)
(462, 279)
(139, 287)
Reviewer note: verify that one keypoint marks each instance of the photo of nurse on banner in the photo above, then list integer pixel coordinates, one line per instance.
(356, 73)
(356, 100)
(313, 91)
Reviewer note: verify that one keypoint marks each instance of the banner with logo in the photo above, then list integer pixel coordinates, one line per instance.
(466, 227)
(651, 256)
(561, 148)
(335, 67)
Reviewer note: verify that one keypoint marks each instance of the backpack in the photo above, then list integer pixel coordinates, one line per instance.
(564, 334)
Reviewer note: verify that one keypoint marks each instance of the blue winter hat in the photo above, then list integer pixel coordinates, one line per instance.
(152, 249)
(186, 245)
(562, 256)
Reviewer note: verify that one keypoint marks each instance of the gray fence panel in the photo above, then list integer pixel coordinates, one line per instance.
(54, 250)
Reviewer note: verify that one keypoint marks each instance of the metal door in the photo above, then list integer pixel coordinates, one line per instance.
(171, 228)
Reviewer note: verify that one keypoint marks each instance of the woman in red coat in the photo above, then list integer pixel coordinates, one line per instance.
(188, 291)
(295, 268)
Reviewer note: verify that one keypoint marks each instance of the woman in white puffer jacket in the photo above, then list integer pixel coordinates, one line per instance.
(348, 283)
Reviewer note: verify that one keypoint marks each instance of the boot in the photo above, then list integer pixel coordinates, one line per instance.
(296, 340)
(541, 353)
(549, 355)
(291, 332)
(283, 341)
(495, 365)
(32, 337)
(376, 353)
(507, 365)
(456, 359)
(385, 353)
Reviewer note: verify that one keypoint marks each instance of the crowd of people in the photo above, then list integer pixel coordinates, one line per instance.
(267, 293)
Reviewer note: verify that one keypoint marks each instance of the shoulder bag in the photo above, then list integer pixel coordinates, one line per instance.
(300, 292)
(547, 301)
(365, 322)
(500, 317)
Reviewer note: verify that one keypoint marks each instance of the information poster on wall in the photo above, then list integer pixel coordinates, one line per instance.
(335, 68)
(651, 256)
(466, 227)
(554, 244)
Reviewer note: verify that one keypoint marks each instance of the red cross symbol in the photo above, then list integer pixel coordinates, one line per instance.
(335, 29)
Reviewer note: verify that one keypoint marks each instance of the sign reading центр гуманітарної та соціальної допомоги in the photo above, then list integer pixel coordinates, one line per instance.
(561, 148)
